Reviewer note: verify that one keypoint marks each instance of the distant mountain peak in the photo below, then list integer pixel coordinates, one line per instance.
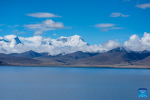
(65, 39)
(75, 40)
(17, 40)
(76, 36)
(30, 54)
(31, 51)
(121, 49)
(144, 51)
(4, 40)
(62, 38)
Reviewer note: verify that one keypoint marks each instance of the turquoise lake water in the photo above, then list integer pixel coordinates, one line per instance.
(64, 83)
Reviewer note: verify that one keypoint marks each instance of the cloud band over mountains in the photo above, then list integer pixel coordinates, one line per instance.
(65, 45)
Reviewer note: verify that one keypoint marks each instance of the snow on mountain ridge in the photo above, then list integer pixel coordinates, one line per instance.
(10, 40)
(52, 46)
(14, 44)
(62, 38)
(122, 48)
(75, 40)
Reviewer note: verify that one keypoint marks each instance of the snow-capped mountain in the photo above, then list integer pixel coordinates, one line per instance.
(14, 44)
(62, 45)
(63, 39)
(3, 40)
(143, 52)
(17, 40)
(11, 41)
(121, 48)
(75, 40)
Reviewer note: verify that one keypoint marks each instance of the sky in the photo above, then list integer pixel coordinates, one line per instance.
(79, 17)
(104, 24)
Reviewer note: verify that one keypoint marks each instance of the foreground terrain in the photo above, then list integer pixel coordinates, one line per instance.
(118, 57)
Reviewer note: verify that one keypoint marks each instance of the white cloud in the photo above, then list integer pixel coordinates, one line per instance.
(115, 14)
(12, 41)
(145, 40)
(42, 15)
(33, 26)
(104, 25)
(13, 26)
(50, 23)
(18, 32)
(143, 6)
(10, 37)
(46, 25)
(133, 43)
(118, 15)
(54, 34)
(107, 26)
(38, 32)
(104, 29)
(37, 40)
(111, 44)
(122, 15)
(137, 44)
(116, 28)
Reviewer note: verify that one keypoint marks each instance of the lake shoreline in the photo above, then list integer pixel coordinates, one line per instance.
(125, 67)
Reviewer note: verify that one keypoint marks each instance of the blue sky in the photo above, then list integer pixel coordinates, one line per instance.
(96, 21)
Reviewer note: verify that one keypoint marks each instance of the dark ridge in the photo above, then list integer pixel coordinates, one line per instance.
(29, 54)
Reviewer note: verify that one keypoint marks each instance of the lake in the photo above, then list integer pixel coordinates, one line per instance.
(66, 83)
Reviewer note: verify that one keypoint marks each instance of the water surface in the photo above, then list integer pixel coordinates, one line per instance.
(62, 83)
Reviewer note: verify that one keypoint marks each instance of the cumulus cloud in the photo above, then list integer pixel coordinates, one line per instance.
(107, 26)
(10, 37)
(143, 6)
(111, 44)
(10, 41)
(136, 44)
(133, 43)
(145, 40)
(42, 15)
(118, 15)
(46, 25)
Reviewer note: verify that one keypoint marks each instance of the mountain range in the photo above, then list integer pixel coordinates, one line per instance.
(118, 57)
(14, 44)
